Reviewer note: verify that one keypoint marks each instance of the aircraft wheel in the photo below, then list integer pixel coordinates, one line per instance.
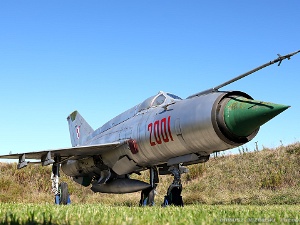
(151, 197)
(147, 197)
(173, 197)
(63, 193)
(176, 197)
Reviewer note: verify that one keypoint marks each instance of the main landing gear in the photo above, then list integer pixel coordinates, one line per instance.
(173, 196)
(60, 191)
(147, 195)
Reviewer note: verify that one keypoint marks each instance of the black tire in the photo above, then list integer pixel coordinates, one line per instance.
(147, 197)
(176, 196)
(151, 195)
(63, 193)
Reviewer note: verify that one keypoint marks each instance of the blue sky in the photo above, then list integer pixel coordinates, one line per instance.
(103, 57)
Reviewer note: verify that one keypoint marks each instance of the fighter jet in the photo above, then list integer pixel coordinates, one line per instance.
(163, 134)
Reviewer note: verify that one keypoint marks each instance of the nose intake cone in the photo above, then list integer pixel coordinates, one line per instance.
(243, 116)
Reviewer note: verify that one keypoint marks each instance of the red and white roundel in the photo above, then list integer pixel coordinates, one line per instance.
(78, 132)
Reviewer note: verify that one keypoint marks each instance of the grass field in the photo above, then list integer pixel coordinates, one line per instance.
(103, 214)
(261, 187)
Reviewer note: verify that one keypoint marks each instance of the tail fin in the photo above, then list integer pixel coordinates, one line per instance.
(79, 129)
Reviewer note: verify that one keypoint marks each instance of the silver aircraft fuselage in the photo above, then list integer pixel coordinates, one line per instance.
(165, 130)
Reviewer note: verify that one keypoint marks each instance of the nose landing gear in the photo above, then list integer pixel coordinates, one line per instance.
(173, 196)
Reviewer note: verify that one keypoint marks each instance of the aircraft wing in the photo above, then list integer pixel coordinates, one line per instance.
(68, 153)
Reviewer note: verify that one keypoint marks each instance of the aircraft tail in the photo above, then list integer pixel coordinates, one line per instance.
(79, 129)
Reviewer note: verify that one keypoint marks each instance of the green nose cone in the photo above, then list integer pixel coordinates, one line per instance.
(243, 116)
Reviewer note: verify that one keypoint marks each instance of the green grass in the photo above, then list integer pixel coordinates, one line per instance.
(104, 214)
(251, 187)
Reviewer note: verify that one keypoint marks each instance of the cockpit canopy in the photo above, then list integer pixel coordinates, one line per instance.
(159, 99)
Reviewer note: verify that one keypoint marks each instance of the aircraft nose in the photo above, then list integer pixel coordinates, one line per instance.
(243, 116)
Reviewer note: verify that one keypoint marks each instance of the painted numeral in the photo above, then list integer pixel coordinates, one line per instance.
(150, 125)
(160, 131)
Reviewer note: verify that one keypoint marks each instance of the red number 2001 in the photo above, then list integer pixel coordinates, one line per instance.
(161, 130)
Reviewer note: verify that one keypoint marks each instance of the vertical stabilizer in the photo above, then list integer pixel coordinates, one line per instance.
(79, 129)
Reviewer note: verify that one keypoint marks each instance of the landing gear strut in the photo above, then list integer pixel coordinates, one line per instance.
(147, 195)
(173, 196)
(60, 191)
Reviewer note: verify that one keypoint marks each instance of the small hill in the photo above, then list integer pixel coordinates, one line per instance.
(269, 176)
